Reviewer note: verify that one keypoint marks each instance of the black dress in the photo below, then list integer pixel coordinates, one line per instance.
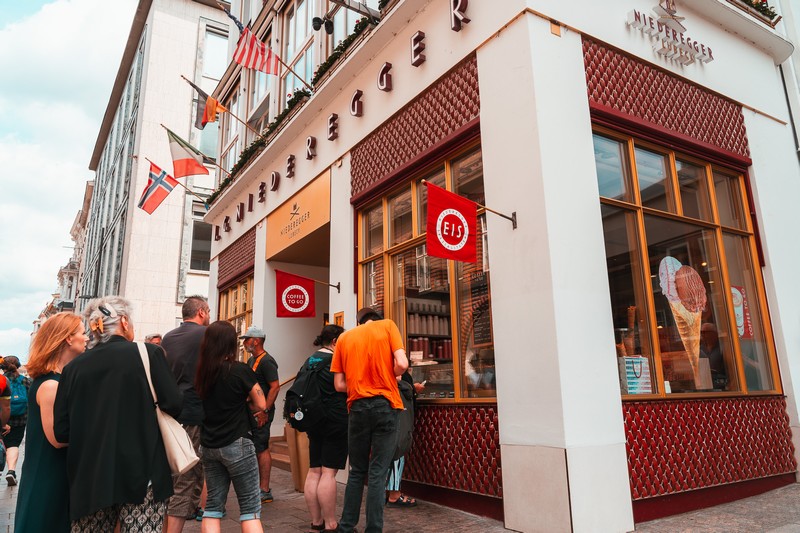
(43, 477)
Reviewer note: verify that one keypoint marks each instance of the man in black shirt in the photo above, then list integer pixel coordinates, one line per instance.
(182, 345)
(266, 369)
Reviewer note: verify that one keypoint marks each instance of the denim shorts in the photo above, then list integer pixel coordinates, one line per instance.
(235, 463)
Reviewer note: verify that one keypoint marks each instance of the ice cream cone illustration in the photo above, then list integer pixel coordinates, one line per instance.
(684, 289)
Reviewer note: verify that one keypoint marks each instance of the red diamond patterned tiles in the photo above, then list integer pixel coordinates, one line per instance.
(677, 446)
(457, 447)
(643, 91)
(237, 258)
(447, 105)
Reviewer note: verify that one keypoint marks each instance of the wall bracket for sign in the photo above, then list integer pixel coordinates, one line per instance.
(512, 218)
(338, 286)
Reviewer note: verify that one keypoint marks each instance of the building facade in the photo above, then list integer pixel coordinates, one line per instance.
(622, 349)
(154, 260)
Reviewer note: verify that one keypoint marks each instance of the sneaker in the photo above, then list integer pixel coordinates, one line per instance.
(11, 478)
(266, 496)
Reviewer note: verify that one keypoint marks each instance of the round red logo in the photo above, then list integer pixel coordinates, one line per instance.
(452, 229)
(295, 298)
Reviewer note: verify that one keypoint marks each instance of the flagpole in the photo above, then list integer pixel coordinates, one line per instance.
(245, 124)
(512, 218)
(338, 286)
(210, 159)
(187, 188)
(280, 61)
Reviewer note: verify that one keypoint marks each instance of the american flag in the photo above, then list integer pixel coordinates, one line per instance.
(252, 53)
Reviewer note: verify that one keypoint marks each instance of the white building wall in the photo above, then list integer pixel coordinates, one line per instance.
(153, 243)
(560, 413)
(553, 326)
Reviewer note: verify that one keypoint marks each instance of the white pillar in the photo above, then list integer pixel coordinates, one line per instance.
(776, 187)
(560, 413)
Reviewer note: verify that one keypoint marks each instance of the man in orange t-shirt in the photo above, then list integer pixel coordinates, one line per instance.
(365, 362)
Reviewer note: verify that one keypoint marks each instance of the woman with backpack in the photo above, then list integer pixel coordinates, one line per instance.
(327, 441)
(19, 386)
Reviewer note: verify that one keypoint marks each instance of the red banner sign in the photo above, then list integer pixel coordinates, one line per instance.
(295, 296)
(451, 225)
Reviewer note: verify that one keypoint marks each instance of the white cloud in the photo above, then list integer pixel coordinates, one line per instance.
(58, 65)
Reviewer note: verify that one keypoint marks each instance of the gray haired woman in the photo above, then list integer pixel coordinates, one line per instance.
(104, 409)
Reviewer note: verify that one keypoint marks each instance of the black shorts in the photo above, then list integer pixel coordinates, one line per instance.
(327, 446)
(14, 437)
(261, 435)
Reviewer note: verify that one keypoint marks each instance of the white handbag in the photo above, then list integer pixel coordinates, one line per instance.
(180, 451)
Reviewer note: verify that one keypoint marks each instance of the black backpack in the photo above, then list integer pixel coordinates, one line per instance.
(304, 405)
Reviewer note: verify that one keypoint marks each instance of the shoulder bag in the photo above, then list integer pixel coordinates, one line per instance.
(180, 451)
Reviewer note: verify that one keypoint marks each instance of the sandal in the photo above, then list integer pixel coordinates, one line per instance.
(320, 527)
(402, 501)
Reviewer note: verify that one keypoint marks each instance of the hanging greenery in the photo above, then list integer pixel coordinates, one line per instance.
(260, 143)
(762, 7)
(361, 25)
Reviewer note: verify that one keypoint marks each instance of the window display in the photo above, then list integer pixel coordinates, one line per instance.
(442, 307)
(686, 299)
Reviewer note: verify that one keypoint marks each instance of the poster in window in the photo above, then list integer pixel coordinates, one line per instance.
(481, 310)
(741, 310)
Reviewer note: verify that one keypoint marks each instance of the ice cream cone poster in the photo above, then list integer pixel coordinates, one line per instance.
(683, 287)
(451, 225)
(741, 310)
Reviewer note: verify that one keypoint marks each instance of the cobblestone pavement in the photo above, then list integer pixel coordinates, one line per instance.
(777, 511)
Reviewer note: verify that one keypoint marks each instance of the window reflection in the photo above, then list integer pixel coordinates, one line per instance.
(612, 168)
(651, 170)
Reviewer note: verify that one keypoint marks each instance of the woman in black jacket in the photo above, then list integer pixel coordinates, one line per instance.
(116, 463)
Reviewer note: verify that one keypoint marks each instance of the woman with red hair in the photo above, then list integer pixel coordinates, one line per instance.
(44, 473)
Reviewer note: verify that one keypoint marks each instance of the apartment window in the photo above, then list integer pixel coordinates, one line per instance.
(214, 62)
(201, 246)
(231, 143)
(297, 50)
(442, 307)
(344, 21)
(259, 101)
(687, 296)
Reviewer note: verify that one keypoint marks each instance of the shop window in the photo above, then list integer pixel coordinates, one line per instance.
(686, 299)
(344, 22)
(236, 306)
(442, 307)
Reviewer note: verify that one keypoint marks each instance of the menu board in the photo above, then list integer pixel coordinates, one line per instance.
(481, 310)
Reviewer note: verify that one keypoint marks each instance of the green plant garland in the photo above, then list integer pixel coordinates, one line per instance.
(324, 67)
(260, 143)
(762, 7)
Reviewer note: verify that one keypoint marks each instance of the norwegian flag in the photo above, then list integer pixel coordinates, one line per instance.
(159, 185)
(252, 53)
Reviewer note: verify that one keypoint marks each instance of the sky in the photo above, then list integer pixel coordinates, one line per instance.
(58, 61)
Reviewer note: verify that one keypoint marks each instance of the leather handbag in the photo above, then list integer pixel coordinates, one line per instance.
(181, 455)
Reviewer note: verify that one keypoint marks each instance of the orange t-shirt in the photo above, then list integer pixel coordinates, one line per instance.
(365, 354)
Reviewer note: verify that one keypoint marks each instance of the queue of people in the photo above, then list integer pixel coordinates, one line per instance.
(94, 448)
